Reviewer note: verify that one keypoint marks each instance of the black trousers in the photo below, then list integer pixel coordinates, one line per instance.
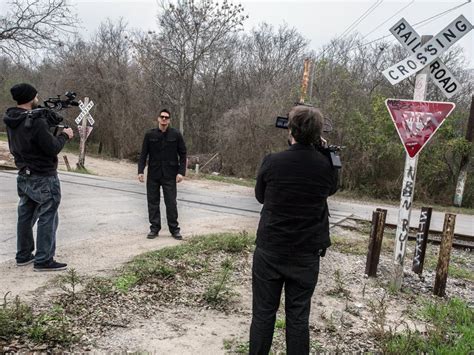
(270, 272)
(153, 197)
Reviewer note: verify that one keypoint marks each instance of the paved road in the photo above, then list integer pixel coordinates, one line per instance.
(96, 206)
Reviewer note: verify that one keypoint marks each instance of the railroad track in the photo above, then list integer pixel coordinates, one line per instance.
(339, 219)
(459, 241)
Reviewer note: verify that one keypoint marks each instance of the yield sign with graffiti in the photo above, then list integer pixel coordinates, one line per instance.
(417, 121)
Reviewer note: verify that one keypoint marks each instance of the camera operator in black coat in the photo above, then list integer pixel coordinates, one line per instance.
(293, 232)
(35, 150)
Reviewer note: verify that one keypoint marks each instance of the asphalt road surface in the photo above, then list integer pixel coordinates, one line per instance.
(94, 206)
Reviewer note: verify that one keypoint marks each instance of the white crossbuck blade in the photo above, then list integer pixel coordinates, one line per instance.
(441, 76)
(85, 111)
(428, 53)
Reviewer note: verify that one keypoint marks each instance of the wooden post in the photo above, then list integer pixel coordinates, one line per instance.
(66, 161)
(444, 255)
(375, 242)
(408, 187)
(421, 240)
(83, 136)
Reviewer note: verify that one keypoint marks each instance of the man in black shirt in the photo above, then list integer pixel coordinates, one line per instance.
(35, 150)
(293, 232)
(163, 146)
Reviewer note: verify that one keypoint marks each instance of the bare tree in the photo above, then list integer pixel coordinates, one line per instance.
(32, 25)
(189, 32)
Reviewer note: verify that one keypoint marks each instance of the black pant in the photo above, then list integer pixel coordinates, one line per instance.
(299, 275)
(153, 197)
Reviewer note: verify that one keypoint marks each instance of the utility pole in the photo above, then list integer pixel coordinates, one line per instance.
(306, 77)
(311, 82)
(462, 177)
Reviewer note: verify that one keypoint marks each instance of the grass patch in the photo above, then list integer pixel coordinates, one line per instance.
(3, 137)
(167, 262)
(358, 246)
(349, 245)
(234, 346)
(81, 170)
(227, 179)
(199, 270)
(125, 282)
(450, 330)
(280, 324)
(18, 321)
(219, 291)
(458, 268)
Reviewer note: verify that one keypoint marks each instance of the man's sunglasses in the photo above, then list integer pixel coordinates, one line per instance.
(165, 117)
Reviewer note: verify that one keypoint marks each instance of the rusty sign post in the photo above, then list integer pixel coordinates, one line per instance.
(421, 240)
(444, 255)
(375, 242)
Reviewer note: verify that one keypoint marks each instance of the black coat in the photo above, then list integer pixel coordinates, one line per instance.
(35, 147)
(293, 186)
(166, 154)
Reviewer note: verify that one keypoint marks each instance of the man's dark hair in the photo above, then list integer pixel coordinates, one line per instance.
(305, 124)
(165, 110)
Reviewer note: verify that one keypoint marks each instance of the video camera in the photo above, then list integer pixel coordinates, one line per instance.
(50, 111)
(330, 150)
(56, 104)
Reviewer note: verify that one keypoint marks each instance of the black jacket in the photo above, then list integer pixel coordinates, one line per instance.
(35, 147)
(163, 150)
(293, 186)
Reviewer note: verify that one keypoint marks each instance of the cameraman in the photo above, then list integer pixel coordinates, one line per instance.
(35, 150)
(293, 232)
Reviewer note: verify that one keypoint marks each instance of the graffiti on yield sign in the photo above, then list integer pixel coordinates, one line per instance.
(417, 121)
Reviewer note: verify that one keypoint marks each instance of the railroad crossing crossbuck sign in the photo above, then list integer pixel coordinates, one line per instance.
(85, 111)
(428, 54)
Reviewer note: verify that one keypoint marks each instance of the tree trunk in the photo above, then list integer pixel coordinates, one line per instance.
(182, 105)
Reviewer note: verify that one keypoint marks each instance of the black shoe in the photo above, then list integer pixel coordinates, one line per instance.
(177, 235)
(25, 262)
(50, 266)
(152, 235)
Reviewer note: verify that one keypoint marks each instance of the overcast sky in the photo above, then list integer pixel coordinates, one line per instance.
(318, 21)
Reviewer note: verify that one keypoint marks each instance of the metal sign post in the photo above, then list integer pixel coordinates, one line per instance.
(408, 188)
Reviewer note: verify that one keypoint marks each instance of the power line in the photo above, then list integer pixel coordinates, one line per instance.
(422, 23)
(434, 17)
(383, 23)
(354, 24)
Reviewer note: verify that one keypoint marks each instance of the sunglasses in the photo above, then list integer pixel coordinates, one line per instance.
(165, 117)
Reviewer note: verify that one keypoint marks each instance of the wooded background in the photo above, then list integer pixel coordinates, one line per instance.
(225, 87)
